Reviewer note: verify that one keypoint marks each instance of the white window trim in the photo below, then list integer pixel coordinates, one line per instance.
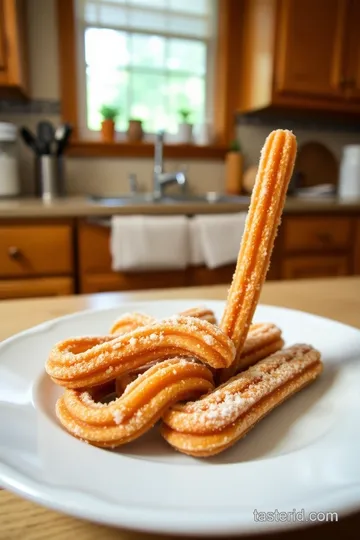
(121, 136)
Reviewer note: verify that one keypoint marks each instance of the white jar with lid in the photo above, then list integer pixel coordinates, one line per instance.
(349, 184)
(9, 174)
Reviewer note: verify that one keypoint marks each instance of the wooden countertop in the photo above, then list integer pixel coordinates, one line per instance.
(19, 519)
(81, 206)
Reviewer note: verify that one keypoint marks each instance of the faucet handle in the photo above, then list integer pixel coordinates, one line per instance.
(133, 183)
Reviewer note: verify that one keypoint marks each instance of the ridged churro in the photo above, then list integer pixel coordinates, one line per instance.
(138, 409)
(131, 321)
(266, 206)
(222, 417)
(87, 362)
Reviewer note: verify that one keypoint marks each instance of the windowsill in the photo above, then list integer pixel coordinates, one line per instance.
(144, 150)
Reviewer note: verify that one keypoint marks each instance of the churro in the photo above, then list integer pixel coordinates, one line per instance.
(222, 417)
(138, 409)
(266, 206)
(87, 362)
(131, 321)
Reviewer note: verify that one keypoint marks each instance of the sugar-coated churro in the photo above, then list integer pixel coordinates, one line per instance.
(266, 206)
(86, 362)
(138, 409)
(222, 417)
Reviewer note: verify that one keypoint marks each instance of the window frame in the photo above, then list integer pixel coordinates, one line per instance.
(224, 99)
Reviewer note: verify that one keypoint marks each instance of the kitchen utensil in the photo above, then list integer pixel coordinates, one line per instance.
(62, 136)
(49, 177)
(349, 184)
(9, 177)
(315, 164)
(45, 135)
(29, 139)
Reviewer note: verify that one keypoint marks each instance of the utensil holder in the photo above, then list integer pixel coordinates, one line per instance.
(49, 175)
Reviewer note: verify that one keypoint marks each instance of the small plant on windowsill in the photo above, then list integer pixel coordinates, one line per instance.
(108, 113)
(185, 128)
(135, 131)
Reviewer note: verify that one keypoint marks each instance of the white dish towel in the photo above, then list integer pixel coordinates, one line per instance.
(215, 239)
(149, 243)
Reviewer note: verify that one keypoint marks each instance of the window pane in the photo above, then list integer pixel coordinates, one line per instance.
(185, 92)
(191, 6)
(111, 89)
(147, 51)
(188, 56)
(156, 4)
(149, 101)
(106, 49)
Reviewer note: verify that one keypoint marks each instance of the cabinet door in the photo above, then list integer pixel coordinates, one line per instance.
(13, 61)
(310, 47)
(357, 249)
(36, 288)
(2, 38)
(352, 76)
(315, 266)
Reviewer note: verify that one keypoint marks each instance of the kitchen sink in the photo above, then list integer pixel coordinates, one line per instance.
(183, 198)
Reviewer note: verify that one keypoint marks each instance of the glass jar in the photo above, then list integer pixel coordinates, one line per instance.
(9, 174)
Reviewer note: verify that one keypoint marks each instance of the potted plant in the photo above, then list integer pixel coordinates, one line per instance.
(234, 169)
(108, 113)
(185, 128)
(135, 130)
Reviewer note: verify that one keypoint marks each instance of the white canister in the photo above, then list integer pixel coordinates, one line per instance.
(349, 183)
(9, 174)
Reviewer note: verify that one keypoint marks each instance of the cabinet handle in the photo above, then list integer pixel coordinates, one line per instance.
(324, 238)
(14, 253)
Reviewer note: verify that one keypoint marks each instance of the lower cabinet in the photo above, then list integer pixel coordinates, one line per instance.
(36, 287)
(311, 266)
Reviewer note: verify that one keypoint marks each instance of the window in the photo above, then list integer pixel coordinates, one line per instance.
(149, 58)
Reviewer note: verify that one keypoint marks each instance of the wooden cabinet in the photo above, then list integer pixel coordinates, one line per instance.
(352, 73)
(13, 48)
(317, 233)
(313, 266)
(33, 250)
(357, 248)
(301, 54)
(36, 259)
(304, 26)
(36, 287)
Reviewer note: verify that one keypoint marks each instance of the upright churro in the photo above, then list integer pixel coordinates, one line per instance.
(267, 202)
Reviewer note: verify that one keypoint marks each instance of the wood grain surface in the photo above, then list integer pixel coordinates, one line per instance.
(23, 520)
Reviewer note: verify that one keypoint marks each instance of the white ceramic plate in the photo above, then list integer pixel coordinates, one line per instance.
(303, 456)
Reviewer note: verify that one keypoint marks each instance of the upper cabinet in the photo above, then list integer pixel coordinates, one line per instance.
(301, 54)
(13, 65)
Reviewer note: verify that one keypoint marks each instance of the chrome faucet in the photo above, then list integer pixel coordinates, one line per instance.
(161, 178)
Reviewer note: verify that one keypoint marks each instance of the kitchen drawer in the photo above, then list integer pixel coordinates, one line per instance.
(317, 233)
(30, 250)
(313, 266)
(36, 287)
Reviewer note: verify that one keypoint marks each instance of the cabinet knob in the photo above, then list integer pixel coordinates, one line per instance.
(14, 252)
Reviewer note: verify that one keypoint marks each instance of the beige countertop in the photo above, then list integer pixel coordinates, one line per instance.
(337, 298)
(81, 206)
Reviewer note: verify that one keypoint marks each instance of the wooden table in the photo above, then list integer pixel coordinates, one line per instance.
(22, 520)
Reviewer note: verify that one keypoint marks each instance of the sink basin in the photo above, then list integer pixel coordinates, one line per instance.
(211, 197)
